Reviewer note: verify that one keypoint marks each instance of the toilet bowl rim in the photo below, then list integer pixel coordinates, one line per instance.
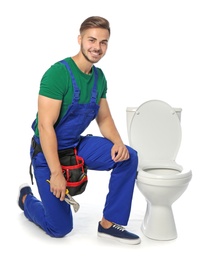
(143, 174)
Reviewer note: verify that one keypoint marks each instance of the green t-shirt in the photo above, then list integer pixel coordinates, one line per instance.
(56, 83)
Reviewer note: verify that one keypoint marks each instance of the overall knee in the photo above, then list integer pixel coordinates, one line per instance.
(58, 233)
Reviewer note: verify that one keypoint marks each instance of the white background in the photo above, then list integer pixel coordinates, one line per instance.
(156, 51)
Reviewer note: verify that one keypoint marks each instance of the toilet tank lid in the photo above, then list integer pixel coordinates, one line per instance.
(131, 109)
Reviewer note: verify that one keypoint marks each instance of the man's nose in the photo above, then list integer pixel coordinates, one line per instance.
(97, 45)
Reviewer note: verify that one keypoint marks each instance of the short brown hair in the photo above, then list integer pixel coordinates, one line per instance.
(95, 22)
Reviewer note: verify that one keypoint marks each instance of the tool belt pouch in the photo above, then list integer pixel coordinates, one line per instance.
(74, 171)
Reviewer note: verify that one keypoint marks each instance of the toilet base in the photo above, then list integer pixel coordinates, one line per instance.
(158, 223)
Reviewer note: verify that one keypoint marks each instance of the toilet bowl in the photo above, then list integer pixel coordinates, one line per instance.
(154, 131)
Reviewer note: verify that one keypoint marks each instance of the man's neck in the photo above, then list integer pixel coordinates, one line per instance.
(82, 63)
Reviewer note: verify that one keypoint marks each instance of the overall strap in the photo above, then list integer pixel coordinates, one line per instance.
(76, 88)
(94, 90)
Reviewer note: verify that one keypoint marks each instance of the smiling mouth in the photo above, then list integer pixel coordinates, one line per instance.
(95, 54)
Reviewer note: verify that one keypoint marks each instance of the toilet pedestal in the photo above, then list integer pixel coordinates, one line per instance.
(156, 228)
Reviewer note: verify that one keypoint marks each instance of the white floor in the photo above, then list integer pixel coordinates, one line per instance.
(24, 240)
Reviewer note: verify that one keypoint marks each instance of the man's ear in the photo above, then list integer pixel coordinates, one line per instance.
(79, 39)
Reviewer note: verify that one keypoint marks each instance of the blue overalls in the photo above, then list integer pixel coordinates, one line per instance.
(55, 216)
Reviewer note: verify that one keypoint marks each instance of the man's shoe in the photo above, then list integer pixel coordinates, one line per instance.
(24, 189)
(118, 233)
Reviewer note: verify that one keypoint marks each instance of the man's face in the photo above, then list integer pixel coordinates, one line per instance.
(94, 43)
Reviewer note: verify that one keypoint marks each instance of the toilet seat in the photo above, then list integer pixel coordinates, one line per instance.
(174, 178)
(155, 132)
(163, 174)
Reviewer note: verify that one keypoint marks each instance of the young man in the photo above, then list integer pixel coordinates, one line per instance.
(73, 93)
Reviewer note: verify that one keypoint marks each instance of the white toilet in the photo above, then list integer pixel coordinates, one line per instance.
(154, 131)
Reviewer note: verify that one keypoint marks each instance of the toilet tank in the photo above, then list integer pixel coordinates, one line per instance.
(130, 111)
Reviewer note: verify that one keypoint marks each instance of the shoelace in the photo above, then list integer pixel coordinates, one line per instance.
(120, 228)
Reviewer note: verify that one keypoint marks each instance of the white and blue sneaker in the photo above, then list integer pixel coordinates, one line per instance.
(118, 233)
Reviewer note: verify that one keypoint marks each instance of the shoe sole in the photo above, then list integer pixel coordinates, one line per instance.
(122, 240)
